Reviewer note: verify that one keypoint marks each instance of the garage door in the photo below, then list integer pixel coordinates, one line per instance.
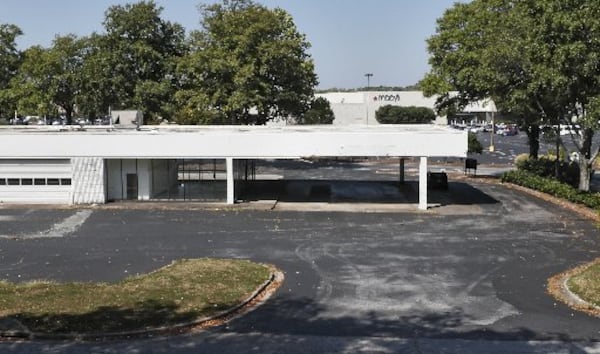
(35, 181)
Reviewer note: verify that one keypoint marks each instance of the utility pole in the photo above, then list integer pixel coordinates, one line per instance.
(368, 75)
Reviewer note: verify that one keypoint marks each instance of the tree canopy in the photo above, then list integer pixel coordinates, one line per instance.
(138, 56)
(537, 59)
(10, 60)
(320, 112)
(248, 65)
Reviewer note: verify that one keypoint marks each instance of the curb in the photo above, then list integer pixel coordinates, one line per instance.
(577, 208)
(572, 297)
(257, 298)
(557, 284)
(557, 287)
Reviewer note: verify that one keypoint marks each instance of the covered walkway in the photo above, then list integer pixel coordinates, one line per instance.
(112, 164)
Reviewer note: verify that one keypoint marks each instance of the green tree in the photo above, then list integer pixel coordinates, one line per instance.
(132, 65)
(97, 92)
(10, 60)
(248, 65)
(50, 77)
(476, 54)
(62, 67)
(566, 59)
(390, 114)
(536, 59)
(320, 112)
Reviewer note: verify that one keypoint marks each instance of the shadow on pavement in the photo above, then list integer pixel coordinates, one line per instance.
(340, 191)
(289, 315)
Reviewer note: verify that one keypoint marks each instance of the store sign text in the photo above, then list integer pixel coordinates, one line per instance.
(387, 98)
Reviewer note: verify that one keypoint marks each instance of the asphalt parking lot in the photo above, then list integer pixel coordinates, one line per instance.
(459, 278)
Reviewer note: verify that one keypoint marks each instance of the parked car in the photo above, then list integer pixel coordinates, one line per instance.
(568, 129)
(507, 130)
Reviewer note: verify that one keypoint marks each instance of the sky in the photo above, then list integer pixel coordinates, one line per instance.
(350, 38)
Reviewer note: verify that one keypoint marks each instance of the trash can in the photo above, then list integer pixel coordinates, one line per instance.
(471, 166)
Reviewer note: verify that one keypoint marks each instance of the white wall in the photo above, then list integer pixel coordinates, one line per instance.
(350, 108)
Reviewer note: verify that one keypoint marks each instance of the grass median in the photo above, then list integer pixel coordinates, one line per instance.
(181, 292)
(587, 284)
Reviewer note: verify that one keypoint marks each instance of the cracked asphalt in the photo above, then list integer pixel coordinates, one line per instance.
(467, 277)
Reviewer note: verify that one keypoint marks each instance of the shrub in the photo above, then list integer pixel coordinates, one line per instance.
(544, 166)
(320, 112)
(552, 187)
(474, 144)
(521, 158)
(389, 114)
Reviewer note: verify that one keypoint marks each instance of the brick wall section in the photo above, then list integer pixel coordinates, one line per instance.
(88, 180)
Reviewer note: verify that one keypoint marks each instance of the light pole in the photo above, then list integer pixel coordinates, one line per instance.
(492, 147)
(493, 110)
(368, 75)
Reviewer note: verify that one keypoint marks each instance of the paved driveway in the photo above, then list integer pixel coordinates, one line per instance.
(459, 278)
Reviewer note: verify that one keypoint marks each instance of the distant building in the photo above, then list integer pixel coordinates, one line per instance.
(358, 108)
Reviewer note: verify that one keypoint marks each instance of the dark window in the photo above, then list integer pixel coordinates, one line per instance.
(39, 181)
(13, 181)
(65, 181)
(26, 181)
(53, 182)
(2, 181)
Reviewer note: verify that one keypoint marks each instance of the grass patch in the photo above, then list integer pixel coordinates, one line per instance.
(587, 284)
(181, 292)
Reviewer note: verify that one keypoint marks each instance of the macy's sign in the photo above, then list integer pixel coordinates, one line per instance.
(387, 98)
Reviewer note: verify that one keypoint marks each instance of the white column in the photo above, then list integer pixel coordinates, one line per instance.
(230, 181)
(423, 184)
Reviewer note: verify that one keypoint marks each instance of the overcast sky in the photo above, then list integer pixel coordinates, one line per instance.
(349, 37)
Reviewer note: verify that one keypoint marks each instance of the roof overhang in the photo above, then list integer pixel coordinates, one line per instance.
(244, 142)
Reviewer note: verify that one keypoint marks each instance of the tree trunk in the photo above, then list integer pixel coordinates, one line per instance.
(69, 115)
(585, 168)
(585, 163)
(533, 135)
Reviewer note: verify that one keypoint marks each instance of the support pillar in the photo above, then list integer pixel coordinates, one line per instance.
(423, 184)
(401, 170)
(230, 181)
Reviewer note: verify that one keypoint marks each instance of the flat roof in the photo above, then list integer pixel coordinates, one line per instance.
(214, 129)
(174, 141)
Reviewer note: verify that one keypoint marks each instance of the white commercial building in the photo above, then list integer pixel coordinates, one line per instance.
(358, 108)
(99, 164)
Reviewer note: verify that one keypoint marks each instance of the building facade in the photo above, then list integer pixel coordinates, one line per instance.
(358, 108)
(100, 164)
